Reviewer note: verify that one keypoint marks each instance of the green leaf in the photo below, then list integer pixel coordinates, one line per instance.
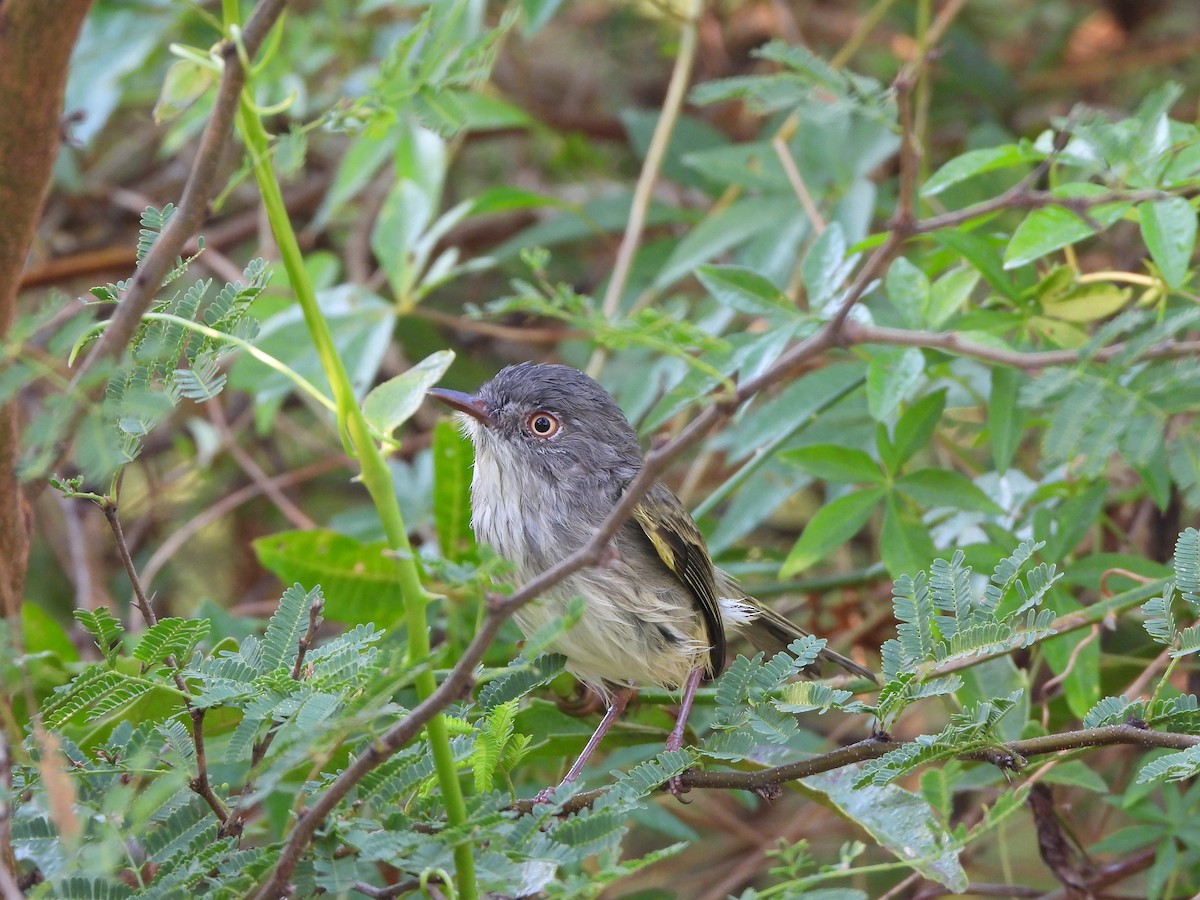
(824, 266)
(1074, 518)
(1172, 767)
(891, 377)
(948, 294)
(170, 637)
(723, 228)
(1006, 419)
(185, 83)
(831, 462)
(1053, 227)
(505, 198)
(452, 458)
(982, 253)
(359, 580)
(745, 290)
(899, 821)
(833, 525)
(105, 630)
(907, 290)
(406, 213)
(904, 542)
(1187, 566)
(945, 487)
(392, 403)
(44, 634)
(976, 162)
(915, 427)
(281, 643)
(358, 165)
(1169, 230)
(537, 13)
(1087, 303)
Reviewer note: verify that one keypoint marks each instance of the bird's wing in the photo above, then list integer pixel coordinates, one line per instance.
(679, 544)
(770, 631)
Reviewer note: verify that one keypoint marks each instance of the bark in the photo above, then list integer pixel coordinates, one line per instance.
(36, 39)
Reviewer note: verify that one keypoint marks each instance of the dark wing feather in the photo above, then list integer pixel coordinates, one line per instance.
(680, 546)
(771, 632)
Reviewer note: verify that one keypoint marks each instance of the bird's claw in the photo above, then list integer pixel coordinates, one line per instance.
(677, 788)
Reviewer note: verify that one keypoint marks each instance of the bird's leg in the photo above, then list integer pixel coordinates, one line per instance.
(617, 706)
(675, 739)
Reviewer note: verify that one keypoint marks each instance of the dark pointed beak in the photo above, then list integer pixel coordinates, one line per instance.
(468, 403)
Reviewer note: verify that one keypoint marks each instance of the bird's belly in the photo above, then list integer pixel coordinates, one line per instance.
(621, 640)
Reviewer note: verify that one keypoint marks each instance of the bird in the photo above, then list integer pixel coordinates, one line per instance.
(553, 455)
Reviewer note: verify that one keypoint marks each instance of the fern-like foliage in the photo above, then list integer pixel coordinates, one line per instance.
(1172, 767)
(92, 694)
(497, 744)
(1187, 567)
(170, 637)
(169, 361)
(1160, 622)
(940, 621)
(281, 643)
(1116, 407)
(913, 605)
(802, 75)
(521, 677)
(971, 729)
(105, 630)
(757, 705)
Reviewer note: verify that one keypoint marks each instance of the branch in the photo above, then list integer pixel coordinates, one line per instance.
(1028, 360)
(1023, 196)
(1011, 756)
(193, 205)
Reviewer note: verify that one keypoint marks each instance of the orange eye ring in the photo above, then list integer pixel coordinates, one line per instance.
(542, 425)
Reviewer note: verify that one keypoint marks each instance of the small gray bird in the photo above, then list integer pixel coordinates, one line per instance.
(553, 455)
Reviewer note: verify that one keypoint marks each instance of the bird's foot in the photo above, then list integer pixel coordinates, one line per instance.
(676, 788)
(545, 795)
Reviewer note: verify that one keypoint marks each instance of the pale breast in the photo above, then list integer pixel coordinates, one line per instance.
(639, 624)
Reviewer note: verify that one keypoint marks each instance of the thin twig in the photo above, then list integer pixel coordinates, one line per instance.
(140, 599)
(1026, 360)
(1011, 756)
(1020, 196)
(227, 504)
(779, 145)
(295, 516)
(655, 153)
(200, 784)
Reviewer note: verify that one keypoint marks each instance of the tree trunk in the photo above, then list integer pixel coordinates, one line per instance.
(36, 39)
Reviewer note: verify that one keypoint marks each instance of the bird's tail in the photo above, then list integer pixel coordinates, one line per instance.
(770, 632)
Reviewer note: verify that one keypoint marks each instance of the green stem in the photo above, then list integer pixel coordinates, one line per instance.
(1162, 682)
(375, 475)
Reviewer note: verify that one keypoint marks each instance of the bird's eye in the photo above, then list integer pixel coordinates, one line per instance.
(542, 424)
